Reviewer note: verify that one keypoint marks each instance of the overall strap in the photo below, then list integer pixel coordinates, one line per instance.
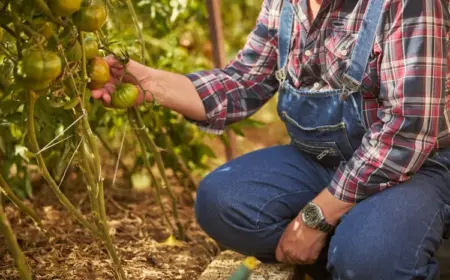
(284, 39)
(352, 79)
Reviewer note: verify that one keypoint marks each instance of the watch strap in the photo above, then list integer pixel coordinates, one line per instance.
(325, 227)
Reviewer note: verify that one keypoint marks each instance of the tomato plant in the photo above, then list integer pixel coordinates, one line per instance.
(51, 54)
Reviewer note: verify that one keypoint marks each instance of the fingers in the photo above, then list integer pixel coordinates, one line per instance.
(116, 72)
(140, 98)
(106, 99)
(98, 93)
(279, 255)
(113, 62)
(289, 256)
(110, 87)
(104, 94)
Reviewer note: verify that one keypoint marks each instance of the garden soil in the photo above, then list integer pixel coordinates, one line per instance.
(67, 251)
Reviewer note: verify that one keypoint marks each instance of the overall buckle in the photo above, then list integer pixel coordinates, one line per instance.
(349, 86)
(280, 75)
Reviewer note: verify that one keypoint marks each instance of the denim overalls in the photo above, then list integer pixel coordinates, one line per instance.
(247, 203)
(326, 124)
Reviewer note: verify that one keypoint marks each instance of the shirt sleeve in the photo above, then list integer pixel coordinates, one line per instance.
(245, 84)
(413, 98)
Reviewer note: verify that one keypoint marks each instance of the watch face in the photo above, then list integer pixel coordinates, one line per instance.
(311, 216)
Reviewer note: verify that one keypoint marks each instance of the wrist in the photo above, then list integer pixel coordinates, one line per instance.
(152, 84)
(332, 208)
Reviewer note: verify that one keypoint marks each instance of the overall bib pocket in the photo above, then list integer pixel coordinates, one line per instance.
(324, 133)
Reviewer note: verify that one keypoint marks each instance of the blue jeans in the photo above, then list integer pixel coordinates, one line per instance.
(246, 204)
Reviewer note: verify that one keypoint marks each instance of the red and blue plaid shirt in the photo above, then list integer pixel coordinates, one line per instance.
(406, 105)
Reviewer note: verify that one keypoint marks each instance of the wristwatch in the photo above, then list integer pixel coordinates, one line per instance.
(312, 217)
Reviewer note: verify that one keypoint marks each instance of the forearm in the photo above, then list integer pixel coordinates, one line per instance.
(175, 92)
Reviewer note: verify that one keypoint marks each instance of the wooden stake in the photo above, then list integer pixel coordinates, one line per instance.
(217, 41)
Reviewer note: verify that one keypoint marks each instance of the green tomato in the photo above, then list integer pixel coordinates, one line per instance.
(90, 18)
(64, 8)
(41, 66)
(91, 46)
(125, 96)
(44, 27)
(36, 85)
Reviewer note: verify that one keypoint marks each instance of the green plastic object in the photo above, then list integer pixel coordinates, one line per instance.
(244, 271)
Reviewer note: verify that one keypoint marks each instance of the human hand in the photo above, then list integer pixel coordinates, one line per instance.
(133, 72)
(300, 244)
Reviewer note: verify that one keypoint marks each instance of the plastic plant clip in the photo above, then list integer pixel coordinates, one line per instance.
(244, 271)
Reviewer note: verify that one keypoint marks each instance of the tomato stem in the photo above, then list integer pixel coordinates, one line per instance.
(110, 151)
(138, 29)
(13, 246)
(88, 171)
(136, 117)
(181, 164)
(44, 7)
(7, 53)
(156, 184)
(120, 273)
(9, 193)
(93, 172)
(83, 62)
(32, 97)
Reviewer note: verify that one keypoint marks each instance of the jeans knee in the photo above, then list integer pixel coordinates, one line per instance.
(206, 206)
(217, 209)
(359, 257)
(352, 263)
(226, 215)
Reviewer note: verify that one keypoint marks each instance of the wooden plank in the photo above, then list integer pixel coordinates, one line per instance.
(226, 262)
(222, 267)
(217, 41)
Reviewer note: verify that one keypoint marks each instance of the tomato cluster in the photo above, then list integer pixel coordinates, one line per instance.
(55, 51)
(49, 46)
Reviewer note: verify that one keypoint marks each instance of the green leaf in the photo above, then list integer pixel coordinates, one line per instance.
(15, 131)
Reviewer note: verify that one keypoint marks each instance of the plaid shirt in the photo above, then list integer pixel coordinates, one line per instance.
(406, 106)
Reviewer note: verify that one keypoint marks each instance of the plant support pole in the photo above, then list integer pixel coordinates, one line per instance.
(216, 34)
